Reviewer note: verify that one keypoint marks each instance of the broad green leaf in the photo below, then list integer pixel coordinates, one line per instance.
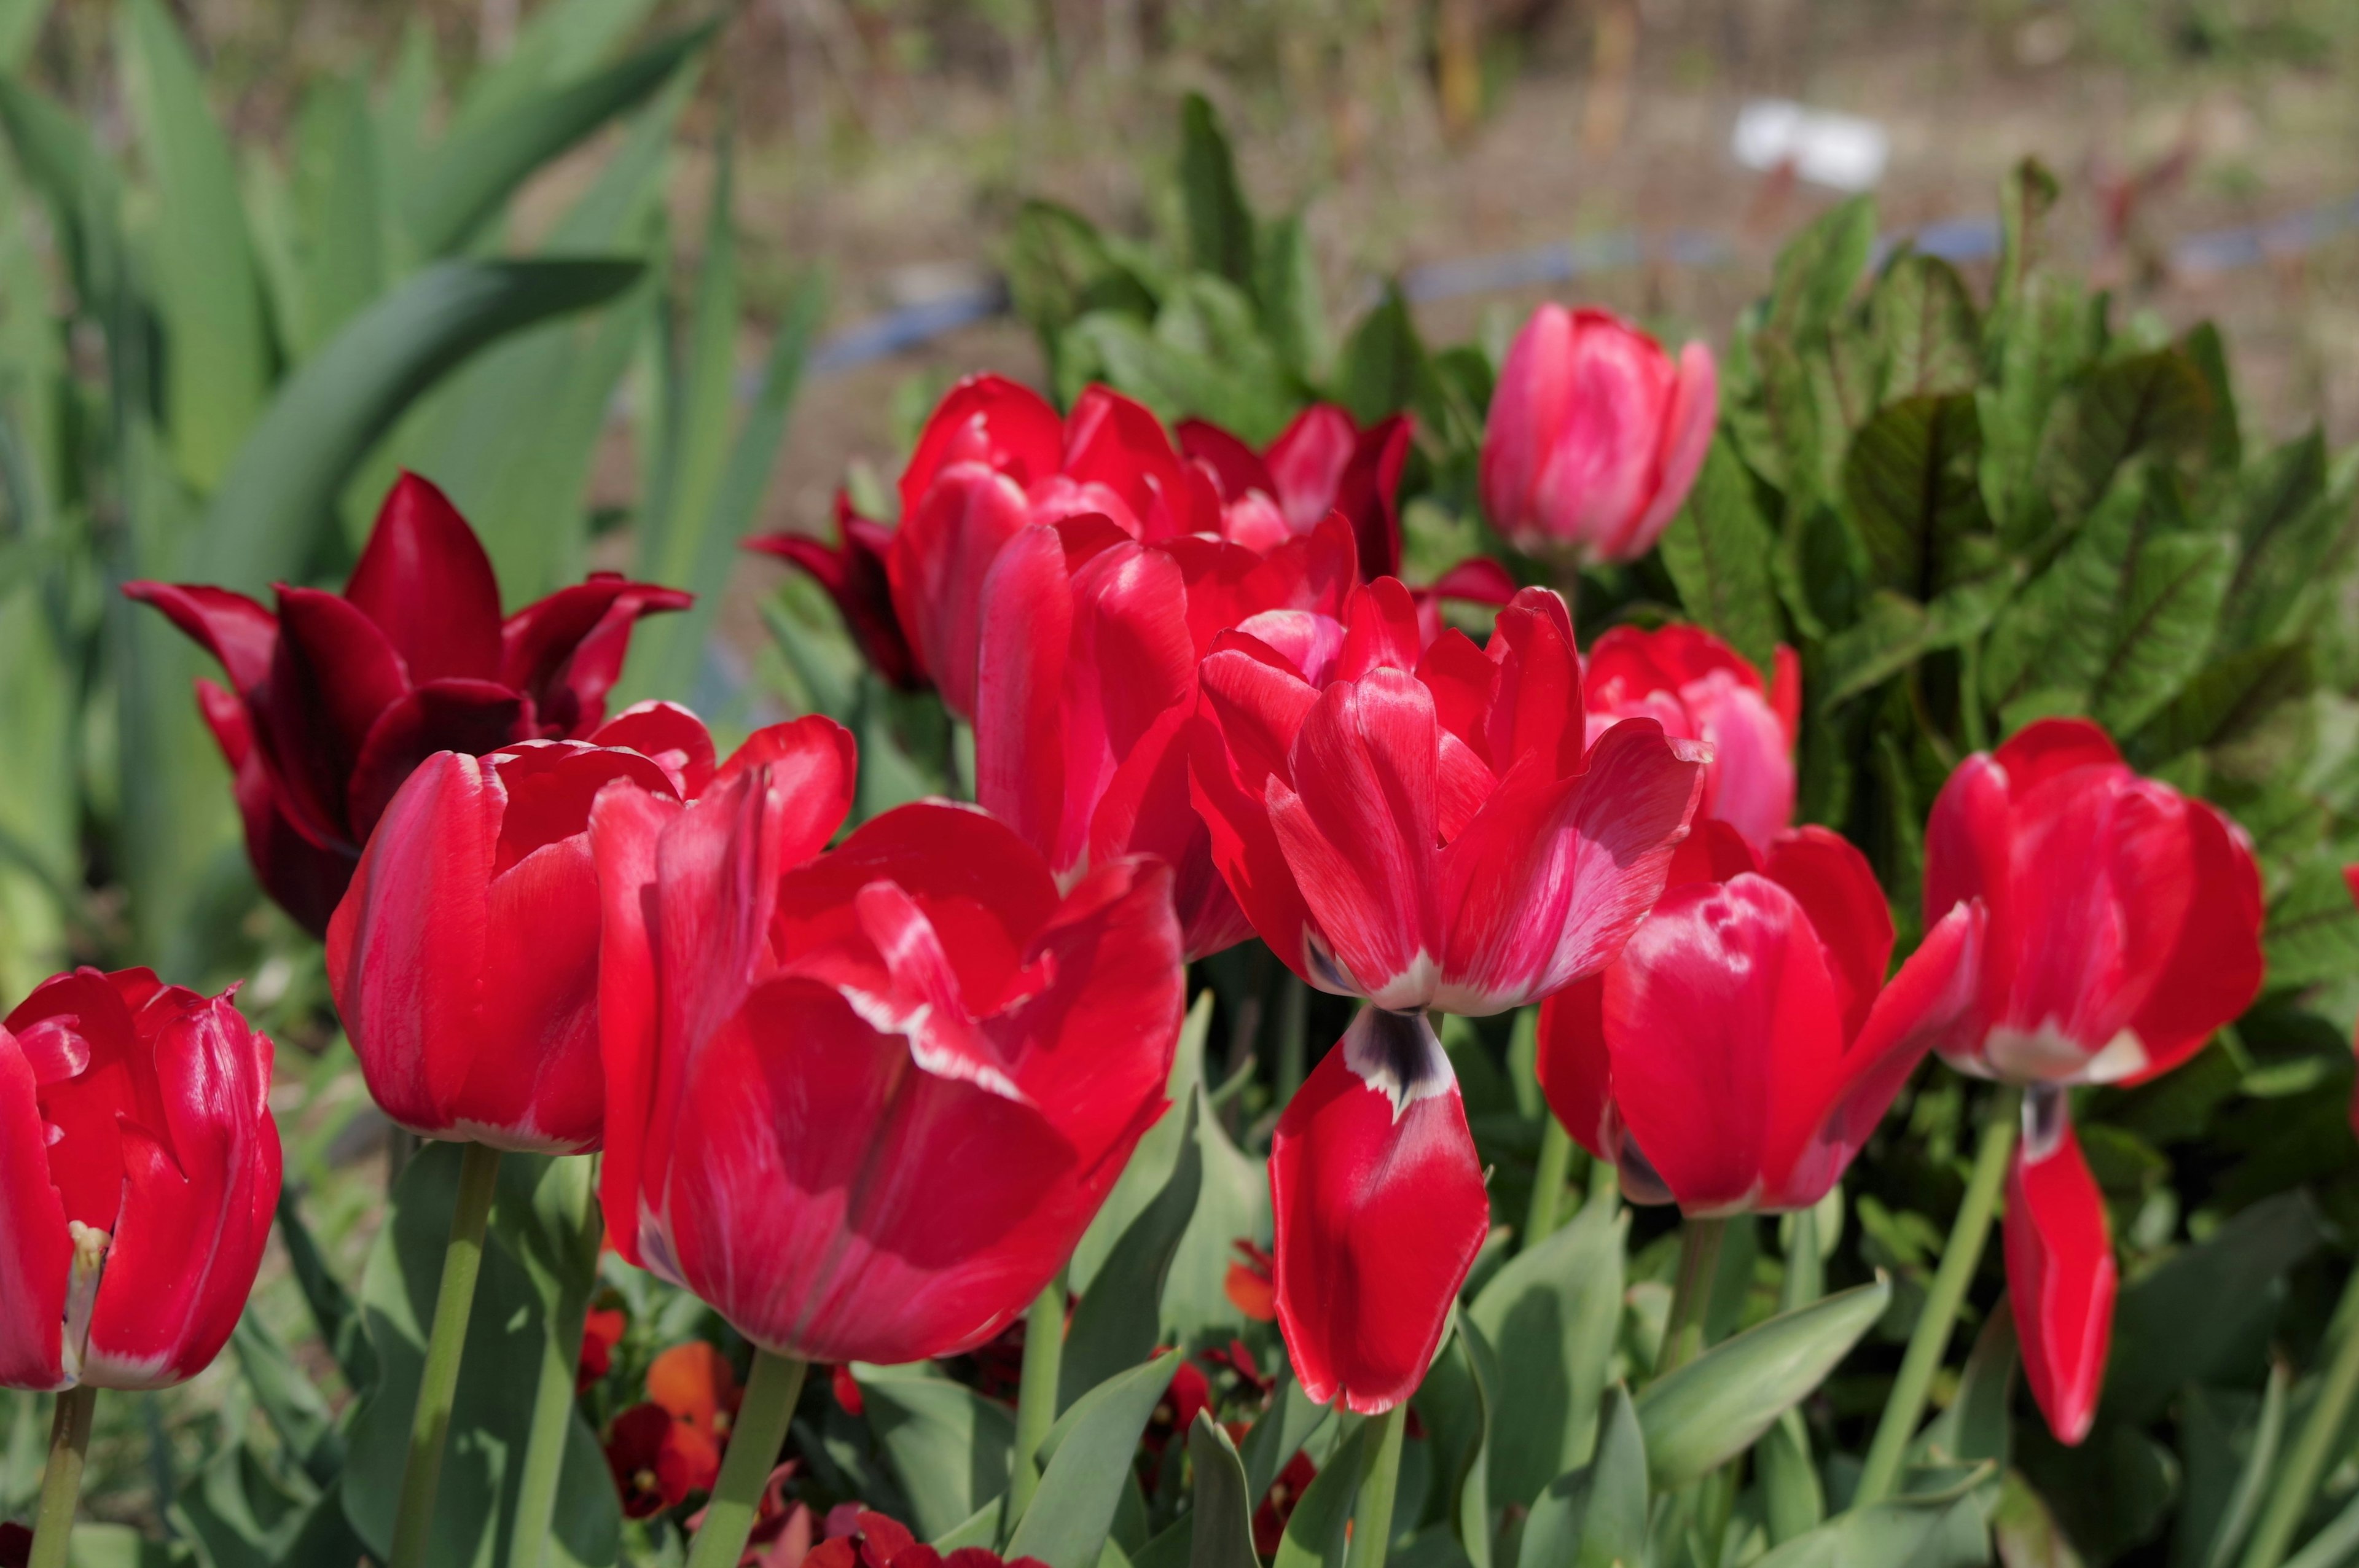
(1910, 482)
(95, 1545)
(1314, 1536)
(1089, 1457)
(1060, 267)
(2204, 346)
(1286, 289)
(1926, 326)
(2164, 620)
(2227, 699)
(469, 176)
(1894, 632)
(1552, 1314)
(1819, 269)
(2292, 521)
(1898, 1534)
(2205, 1316)
(39, 796)
(20, 25)
(1793, 1501)
(2155, 403)
(1225, 1502)
(1119, 1320)
(333, 1313)
(557, 43)
(1152, 1162)
(2037, 345)
(1219, 226)
(265, 520)
(2312, 931)
(1383, 369)
(981, 1529)
(1974, 1425)
(1718, 550)
(947, 1444)
(1595, 1516)
(339, 199)
(2228, 1447)
(540, 1247)
(81, 186)
(240, 1511)
(217, 365)
(2111, 1493)
(1712, 1408)
(1803, 424)
(699, 379)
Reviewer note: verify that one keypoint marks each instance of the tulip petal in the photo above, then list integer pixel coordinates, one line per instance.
(112, 1076)
(676, 739)
(2046, 748)
(1306, 463)
(940, 556)
(303, 878)
(1365, 490)
(424, 579)
(470, 716)
(1380, 631)
(1686, 425)
(1236, 468)
(1838, 889)
(566, 652)
(1548, 879)
(1463, 679)
(626, 825)
(1379, 1212)
(986, 419)
(1117, 442)
(2061, 1275)
(35, 1252)
(333, 675)
(1576, 1067)
(1538, 710)
(543, 1091)
(2215, 969)
(232, 628)
(1020, 762)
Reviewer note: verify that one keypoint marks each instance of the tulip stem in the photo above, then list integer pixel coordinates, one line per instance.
(754, 1445)
(1548, 1182)
(554, 1398)
(1930, 1341)
(2298, 1481)
(1036, 1397)
(438, 1386)
(61, 1483)
(1699, 1242)
(1372, 1521)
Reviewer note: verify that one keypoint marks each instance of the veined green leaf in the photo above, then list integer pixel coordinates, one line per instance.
(1926, 326)
(1820, 268)
(1909, 480)
(1718, 550)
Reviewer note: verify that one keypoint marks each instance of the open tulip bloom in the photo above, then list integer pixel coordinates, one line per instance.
(2123, 930)
(1423, 828)
(1738, 1053)
(139, 1168)
(1322, 462)
(333, 700)
(465, 956)
(1699, 688)
(865, 1104)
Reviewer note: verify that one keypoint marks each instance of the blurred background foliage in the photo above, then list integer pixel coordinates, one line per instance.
(574, 261)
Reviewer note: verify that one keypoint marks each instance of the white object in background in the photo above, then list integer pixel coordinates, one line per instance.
(1826, 149)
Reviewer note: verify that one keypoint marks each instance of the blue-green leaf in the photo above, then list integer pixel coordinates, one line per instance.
(1089, 1456)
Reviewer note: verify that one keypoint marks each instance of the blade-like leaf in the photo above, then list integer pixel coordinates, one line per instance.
(1219, 226)
(1314, 1536)
(1552, 1315)
(1819, 269)
(1711, 1410)
(1118, 1322)
(1718, 551)
(1089, 1452)
(1224, 1503)
(948, 1445)
(264, 521)
(1909, 481)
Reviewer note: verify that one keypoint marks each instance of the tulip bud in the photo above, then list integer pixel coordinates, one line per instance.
(1699, 688)
(1595, 436)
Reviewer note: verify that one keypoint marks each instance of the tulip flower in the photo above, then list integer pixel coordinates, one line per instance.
(1699, 688)
(1322, 462)
(1595, 436)
(854, 574)
(139, 1169)
(1090, 644)
(865, 1104)
(1422, 827)
(1738, 1053)
(463, 958)
(995, 459)
(2123, 930)
(333, 700)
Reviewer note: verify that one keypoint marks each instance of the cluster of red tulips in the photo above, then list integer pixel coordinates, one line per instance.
(862, 1092)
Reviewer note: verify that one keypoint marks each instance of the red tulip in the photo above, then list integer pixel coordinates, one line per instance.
(2061, 1275)
(2125, 919)
(138, 1171)
(865, 1104)
(1699, 688)
(1322, 462)
(1090, 644)
(995, 459)
(1423, 828)
(1380, 1208)
(854, 574)
(465, 956)
(1595, 436)
(333, 700)
(1739, 1051)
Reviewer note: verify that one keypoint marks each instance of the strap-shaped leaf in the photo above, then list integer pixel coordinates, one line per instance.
(1220, 225)
(1090, 1451)
(1224, 1501)
(947, 1444)
(1315, 1535)
(1119, 1320)
(1552, 1315)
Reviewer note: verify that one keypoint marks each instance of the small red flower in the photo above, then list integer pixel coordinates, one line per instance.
(696, 1384)
(602, 1330)
(658, 1460)
(16, 1546)
(1252, 1283)
(1191, 1392)
(1269, 1519)
(847, 1391)
(1238, 1356)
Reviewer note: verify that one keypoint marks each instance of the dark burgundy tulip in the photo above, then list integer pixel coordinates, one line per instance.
(853, 572)
(333, 700)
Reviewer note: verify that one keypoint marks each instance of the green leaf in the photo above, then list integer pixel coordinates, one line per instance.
(2227, 699)
(947, 1444)
(1718, 550)
(1223, 1500)
(1219, 226)
(1909, 481)
(2025, 199)
(265, 520)
(1595, 1516)
(1793, 1502)
(1383, 368)
(2292, 521)
(2038, 345)
(1894, 632)
(1925, 323)
(1974, 1425)
(1285, 291)
(341, 199)
(2229, 1444)
(1273, 1440)
(558, 43)
(82, 187)
(1314, 1536)
(2156, 403)
(1119, 1320)
(1060, 267)
(2312, 933)
(540, 1244)
(2108, 1495)
(293, 1405)
(1457, 1403)
(217, 367)
(20, 25)
(1712, 1408)
(1552, 1314)
(469, 176)
(1089, 1452)
(1819, 269)
(1895, 1534)
(332, 1309)
(1805, 429)
(2205, 1315)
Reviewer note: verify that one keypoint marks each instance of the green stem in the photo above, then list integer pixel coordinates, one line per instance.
(1036, 1396)
(754, 1445)
(1930, 1341)
(1605, 1185)
(2296, 1482)
(1805, 1271)
(438, 1387)
(1548, 1182)
(61, 1483)
(1372, 1521)
(1699, 1242)
(554, 1400)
